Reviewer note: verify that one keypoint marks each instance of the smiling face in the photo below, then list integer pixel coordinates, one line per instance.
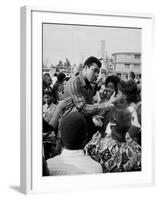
(110, 89)
(91, 73)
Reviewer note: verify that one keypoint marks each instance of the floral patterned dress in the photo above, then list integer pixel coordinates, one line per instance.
(114, 156)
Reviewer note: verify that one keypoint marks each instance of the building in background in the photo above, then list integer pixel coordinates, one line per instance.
(102, 53)
(124, 62)
(102, 49)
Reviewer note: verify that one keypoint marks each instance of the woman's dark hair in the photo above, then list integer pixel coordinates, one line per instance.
(122, 86)
(131, 91)
(121, 117)
(92, 60)
(115, 80)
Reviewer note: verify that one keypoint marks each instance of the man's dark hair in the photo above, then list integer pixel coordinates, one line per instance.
(46, 74)
(132, 75)
(61, 76)
(73, 129)
(92, 60)
(47, 92)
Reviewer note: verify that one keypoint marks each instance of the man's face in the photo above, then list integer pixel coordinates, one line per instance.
(48, 80)
(91, 73)
(47, 99)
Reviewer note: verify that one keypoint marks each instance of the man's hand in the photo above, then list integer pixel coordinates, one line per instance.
(114, 99)
(97, 120)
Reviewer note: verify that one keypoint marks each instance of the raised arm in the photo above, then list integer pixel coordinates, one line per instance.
(75, 92)
(59, 109)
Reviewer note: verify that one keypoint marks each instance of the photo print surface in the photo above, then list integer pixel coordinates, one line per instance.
(91, 99)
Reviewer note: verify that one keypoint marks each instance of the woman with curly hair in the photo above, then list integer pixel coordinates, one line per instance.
(114, 152)
(129, 93)
(108, 88)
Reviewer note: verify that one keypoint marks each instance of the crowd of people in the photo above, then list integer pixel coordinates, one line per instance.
(91, 122)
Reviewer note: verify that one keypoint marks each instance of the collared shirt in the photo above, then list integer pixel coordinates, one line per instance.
(114, 156)
(82, 94)
(73, 162)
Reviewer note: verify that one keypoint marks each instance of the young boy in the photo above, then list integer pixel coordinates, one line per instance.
(51, 115)
(73, 129)
(48, 107)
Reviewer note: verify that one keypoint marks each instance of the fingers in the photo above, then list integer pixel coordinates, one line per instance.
(98, 117)
(113, 95)
(97, 122)
(68, 100)
(114, 99)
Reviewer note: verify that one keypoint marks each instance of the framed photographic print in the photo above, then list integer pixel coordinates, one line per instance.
(86, 100)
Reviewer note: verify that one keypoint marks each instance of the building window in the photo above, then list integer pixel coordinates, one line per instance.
(137, 56)
(127, 66)
(136, 66)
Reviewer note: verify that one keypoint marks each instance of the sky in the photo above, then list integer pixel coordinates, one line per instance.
(77, 43)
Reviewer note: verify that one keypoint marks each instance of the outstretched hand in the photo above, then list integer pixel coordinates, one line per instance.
(97, 120)
(114, 98)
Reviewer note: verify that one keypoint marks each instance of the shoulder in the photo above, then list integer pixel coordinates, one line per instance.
(44, 106)
(94, 165)
(74, 79)
(53, 106)
(74, 83)
(53, 160)
(131, 148)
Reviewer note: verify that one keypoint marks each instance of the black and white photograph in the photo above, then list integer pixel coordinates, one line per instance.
(91, 99)
(79, 99)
